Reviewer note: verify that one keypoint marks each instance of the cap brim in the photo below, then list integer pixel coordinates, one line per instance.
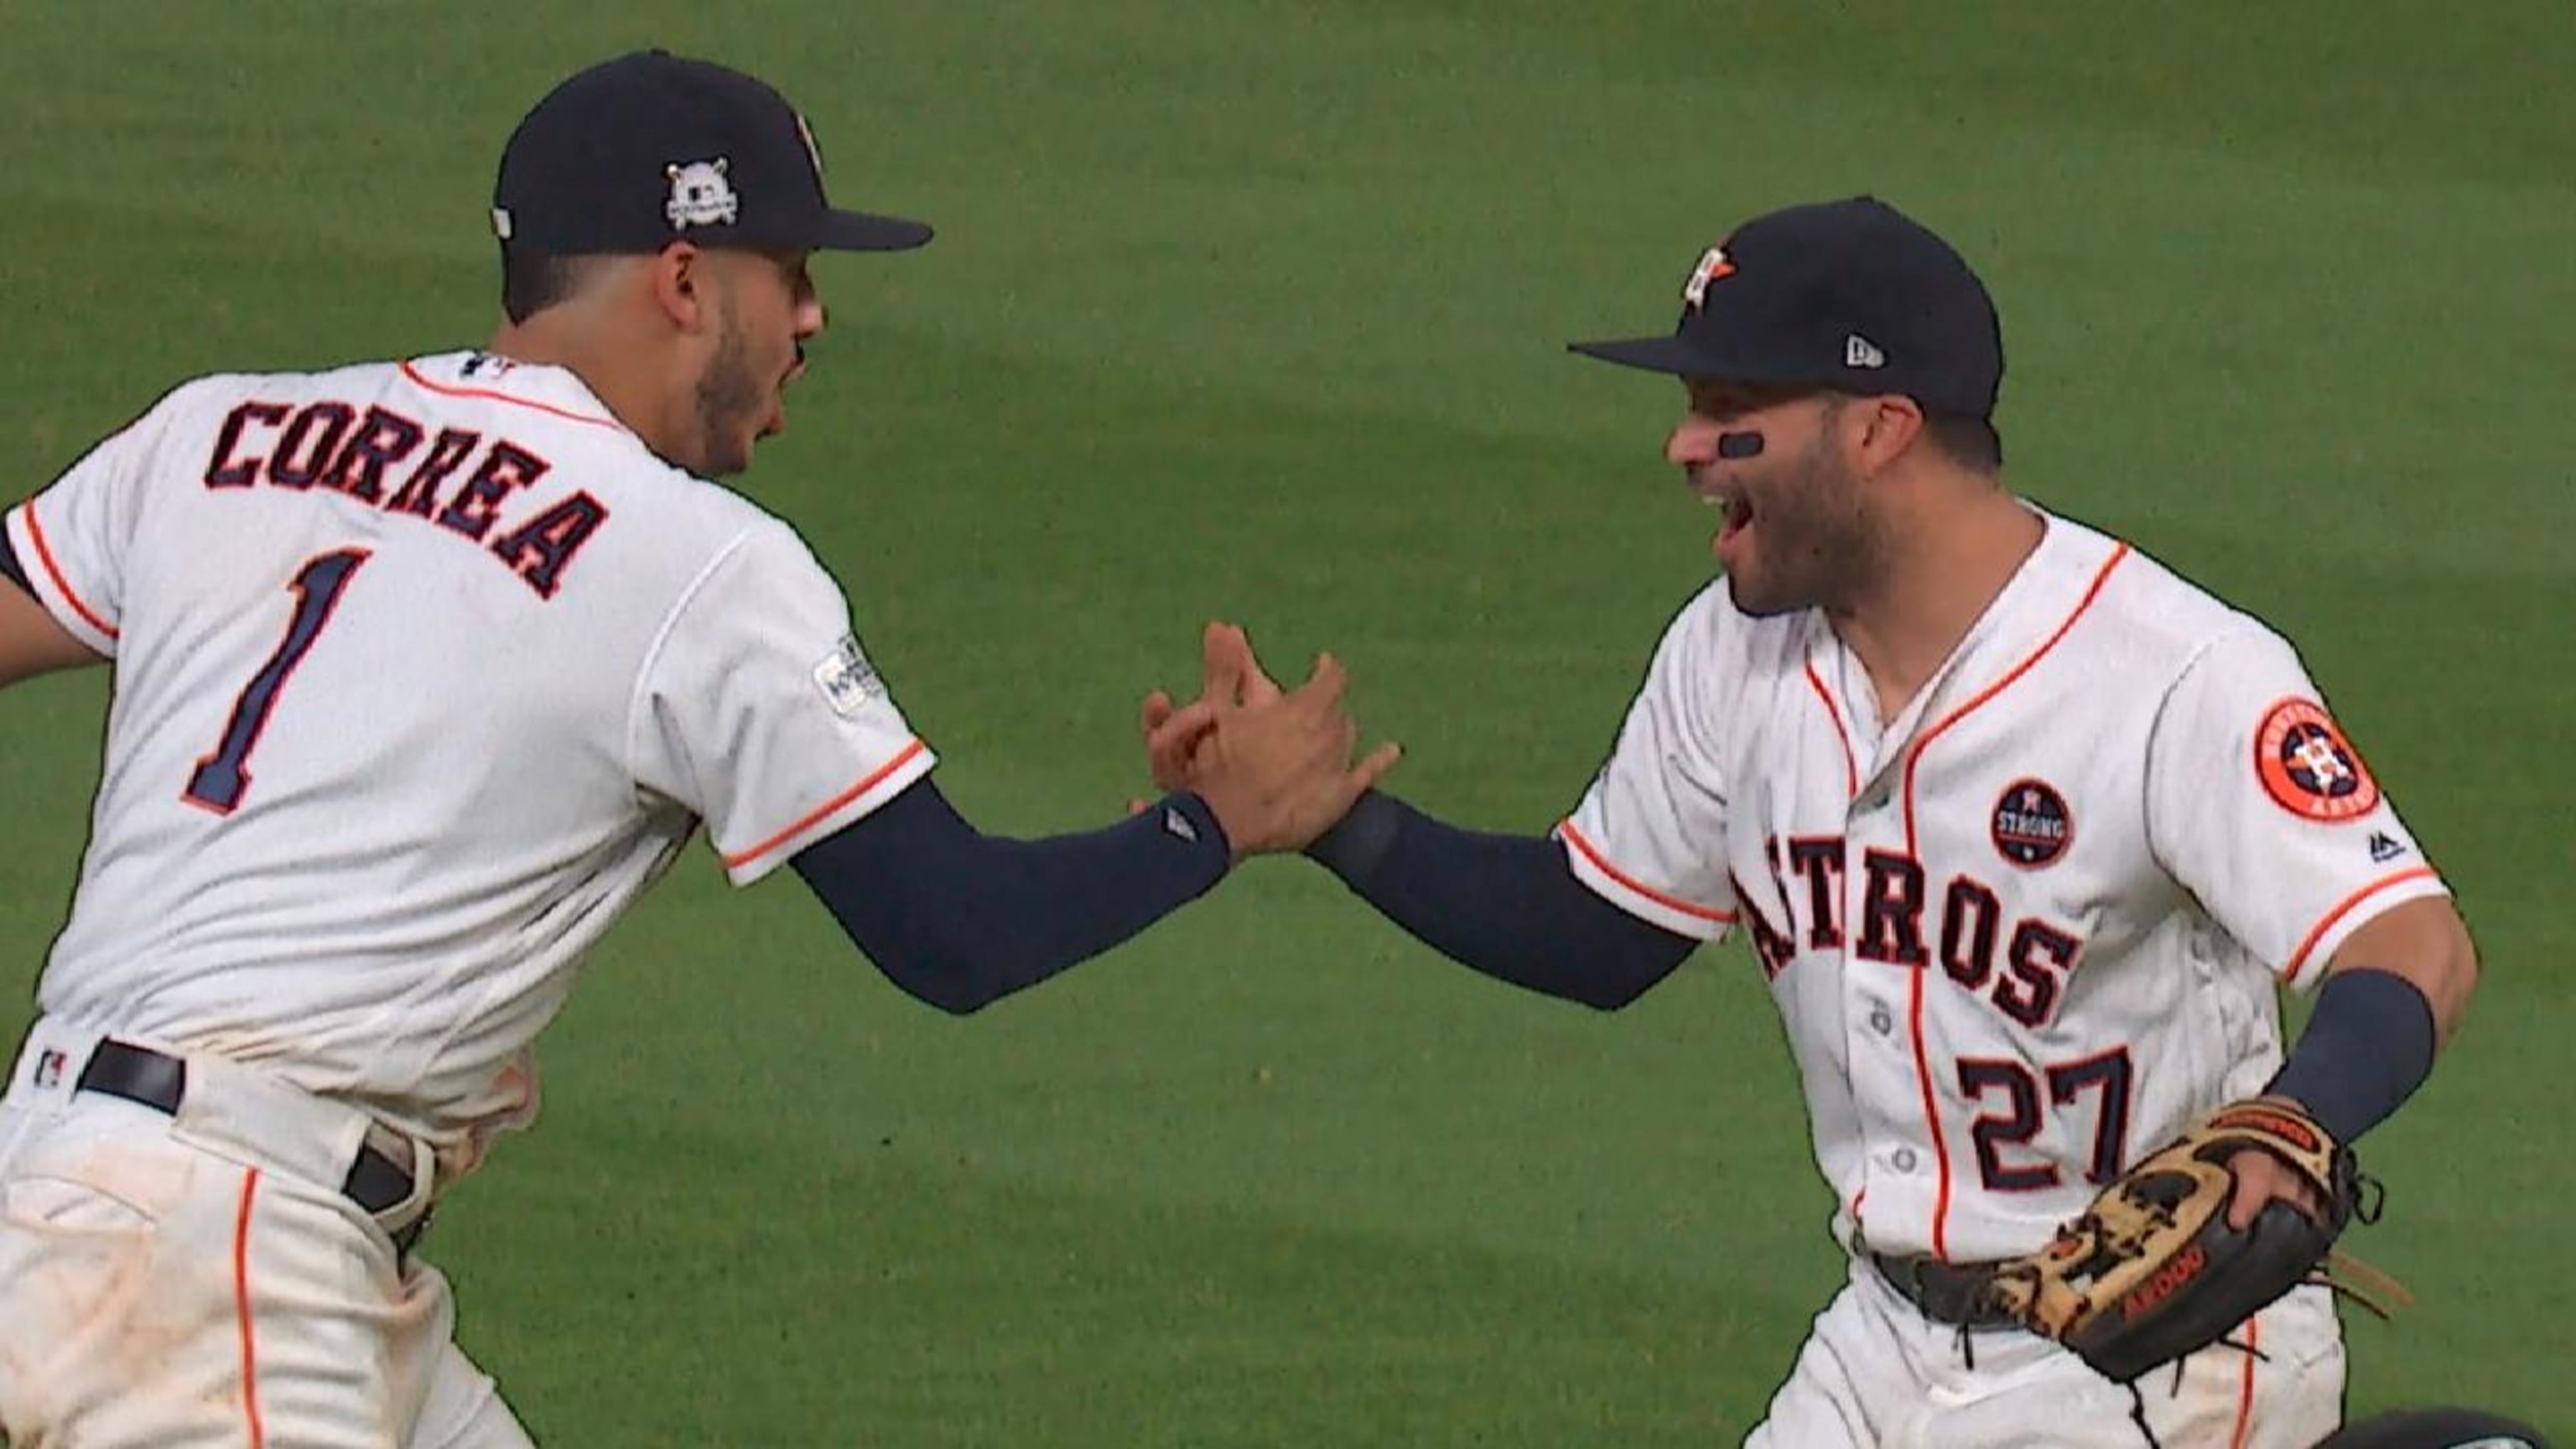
(1668, 353)
(862, 231)
(1681, 357)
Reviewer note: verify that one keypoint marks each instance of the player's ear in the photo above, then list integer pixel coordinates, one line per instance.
(1887, 426)
(682, 284)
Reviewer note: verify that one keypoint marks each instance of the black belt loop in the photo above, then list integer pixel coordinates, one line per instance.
(158, 1080)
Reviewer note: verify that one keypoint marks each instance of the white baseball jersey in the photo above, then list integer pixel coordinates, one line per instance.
(423, 671)
(2027, 929)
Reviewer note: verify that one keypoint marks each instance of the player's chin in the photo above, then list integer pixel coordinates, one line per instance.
(1755, 596)
(725, 459)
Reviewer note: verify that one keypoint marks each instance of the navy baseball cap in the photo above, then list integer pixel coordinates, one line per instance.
(650, 148)
(1851, 295)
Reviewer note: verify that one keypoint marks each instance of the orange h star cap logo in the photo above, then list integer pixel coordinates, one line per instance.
(1713, 264)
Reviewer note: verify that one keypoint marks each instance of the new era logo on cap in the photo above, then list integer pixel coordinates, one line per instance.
(1859, 351)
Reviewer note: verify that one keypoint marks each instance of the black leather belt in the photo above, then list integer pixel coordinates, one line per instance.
(1953, 1293)
(158, 1080)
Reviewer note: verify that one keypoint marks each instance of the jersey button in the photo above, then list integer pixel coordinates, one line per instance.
(1904, 1159)
(1881, 1020)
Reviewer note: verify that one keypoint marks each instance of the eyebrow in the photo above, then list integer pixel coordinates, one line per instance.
(1726, 399)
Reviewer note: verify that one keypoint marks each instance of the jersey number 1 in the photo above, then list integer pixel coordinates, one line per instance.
(222, 778)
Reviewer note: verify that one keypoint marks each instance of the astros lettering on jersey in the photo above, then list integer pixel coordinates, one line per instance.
(2031, 926)
(258, 553)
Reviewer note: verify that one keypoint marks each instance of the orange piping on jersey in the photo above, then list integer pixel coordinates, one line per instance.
(494, 395)
(2245, 1384)
(902, 757)
(1601, 863)
(241, 1310)
(1931, 1118)
(1913, 758)
(2299, 957)
(1851, 764)
(45, 556)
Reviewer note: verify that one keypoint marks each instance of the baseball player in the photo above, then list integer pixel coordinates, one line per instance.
(424, 670)
(2024, 830)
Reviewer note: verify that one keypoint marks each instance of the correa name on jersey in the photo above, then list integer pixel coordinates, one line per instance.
(368, 458)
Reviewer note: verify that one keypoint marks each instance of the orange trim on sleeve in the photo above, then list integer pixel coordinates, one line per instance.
(241, 1310)
(2299, 957)
(54, 571)
(1851, 764)
(494, 395)
(824, 811)
(1601, 863)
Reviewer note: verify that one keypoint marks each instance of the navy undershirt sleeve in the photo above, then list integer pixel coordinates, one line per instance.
(2368, 1045)
(961, 919)
(1507, 905)
(10, 568)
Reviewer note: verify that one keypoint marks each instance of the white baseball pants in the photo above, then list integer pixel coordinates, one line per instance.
(201, 1280)
(1876, 1374)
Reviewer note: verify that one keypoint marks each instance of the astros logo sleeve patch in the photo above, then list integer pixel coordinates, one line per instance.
(2308, 767)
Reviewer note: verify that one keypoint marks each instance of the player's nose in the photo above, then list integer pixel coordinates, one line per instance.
(1693, 440)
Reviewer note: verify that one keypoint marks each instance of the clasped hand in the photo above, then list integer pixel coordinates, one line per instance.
(1273, 765)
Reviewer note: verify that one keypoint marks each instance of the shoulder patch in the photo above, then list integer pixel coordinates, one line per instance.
(2309, 768)
(846, 677)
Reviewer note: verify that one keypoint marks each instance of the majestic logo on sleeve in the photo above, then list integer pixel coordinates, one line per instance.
(2031, 826)
(700, 195)
(2308, 767)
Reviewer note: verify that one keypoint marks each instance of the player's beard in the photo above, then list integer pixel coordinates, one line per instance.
(1817, 541)
(730, 404)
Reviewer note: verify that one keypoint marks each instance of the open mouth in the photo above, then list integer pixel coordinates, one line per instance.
(1739, 517)
(1735, 514)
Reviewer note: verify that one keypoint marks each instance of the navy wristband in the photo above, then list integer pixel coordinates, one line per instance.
(2368, 1046)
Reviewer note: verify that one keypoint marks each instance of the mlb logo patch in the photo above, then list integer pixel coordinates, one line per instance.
(49, 1067)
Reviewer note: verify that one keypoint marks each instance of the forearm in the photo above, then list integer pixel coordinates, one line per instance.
(960, 919)
(1506, 905)
(2392, 995)
(31, 643)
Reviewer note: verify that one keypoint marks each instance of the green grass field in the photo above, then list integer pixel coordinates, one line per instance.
(1255, 309)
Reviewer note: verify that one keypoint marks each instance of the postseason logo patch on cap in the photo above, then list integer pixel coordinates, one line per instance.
(700, 195)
